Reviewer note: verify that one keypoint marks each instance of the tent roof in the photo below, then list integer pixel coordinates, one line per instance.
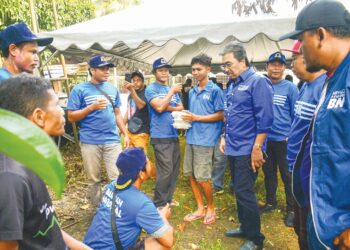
(174, 29)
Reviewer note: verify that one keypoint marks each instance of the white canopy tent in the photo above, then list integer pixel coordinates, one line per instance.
(174, 29)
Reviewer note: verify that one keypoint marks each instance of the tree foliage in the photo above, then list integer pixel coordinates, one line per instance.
(247, 7)
(104, 7)
(69, 12)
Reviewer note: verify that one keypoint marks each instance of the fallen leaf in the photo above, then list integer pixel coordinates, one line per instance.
(194, 246)
(187, 208)
(224, 209)
(231, 218)
(181, 227)
(84, 207)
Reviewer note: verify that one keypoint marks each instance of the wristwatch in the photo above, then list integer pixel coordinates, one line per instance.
(257, 145)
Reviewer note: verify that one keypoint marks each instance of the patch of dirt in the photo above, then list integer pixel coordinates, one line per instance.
(75, 212)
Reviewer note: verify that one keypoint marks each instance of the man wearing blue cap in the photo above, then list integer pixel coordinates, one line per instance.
(19, 47)
(133, 210)
(95, 104)
(323, 27)
(303, 112)
(162, 100)
(284, 97)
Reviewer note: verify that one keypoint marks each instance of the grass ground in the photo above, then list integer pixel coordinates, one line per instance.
(75, 213)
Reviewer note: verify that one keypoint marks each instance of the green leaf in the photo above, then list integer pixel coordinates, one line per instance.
(26, 143)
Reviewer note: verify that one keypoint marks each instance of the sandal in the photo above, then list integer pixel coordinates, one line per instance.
(193, 217)
(209, 219)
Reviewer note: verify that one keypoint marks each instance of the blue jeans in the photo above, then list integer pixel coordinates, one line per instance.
(219, 167)
(247, 206)
(313, 242)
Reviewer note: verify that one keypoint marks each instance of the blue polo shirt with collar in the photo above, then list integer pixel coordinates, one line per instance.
(205, 102)
(249, 112)
(161, 123)
(4, 74)
(285, 93)
(100, 126)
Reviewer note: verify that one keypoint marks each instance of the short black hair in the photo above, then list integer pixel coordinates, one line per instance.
(289, 78)
(201, 59)
(338, 31)
(5, 52)
(24, 93)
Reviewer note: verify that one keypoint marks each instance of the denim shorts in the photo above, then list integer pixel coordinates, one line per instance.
(198, 162)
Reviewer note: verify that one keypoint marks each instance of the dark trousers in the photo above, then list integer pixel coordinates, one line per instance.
(313, 241)
(277, 156)
(299, 224)
(248, 212)
(167, 154)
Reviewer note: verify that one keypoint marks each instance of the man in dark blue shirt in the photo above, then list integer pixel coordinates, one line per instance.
(323, 27)
(249, 118)
(303, 112)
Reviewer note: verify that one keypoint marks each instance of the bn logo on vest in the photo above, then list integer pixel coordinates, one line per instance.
(337, 99)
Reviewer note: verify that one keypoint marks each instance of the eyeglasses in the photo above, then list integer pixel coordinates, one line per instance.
(226, 65)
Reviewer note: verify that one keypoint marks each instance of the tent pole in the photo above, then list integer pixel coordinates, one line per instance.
(63, 63)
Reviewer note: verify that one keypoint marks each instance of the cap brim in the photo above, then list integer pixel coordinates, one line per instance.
(163, 66)
(111, 65)
(277, 59)
(43, 41)
(292, 35)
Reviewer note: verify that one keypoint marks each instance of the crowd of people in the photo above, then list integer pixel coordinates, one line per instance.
(254, 121)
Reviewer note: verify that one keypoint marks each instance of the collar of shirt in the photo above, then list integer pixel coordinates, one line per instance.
(245, 75)
(343, 64)
(207, 87)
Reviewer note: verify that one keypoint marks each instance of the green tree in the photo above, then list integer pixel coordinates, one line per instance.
(244, 7)
(69, 12)
(104, 7)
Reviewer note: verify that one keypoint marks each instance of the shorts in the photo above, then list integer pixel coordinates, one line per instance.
(198, 162)
(140, 245)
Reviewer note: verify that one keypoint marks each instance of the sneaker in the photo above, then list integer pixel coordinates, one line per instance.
(218, 191)
(267, 208)
(249, 245)
(288, 220)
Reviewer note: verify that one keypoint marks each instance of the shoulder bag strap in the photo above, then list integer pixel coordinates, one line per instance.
(116, 239)
(104, 93)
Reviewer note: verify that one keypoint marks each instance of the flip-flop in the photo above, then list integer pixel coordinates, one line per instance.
(193, 216)
(209, 219)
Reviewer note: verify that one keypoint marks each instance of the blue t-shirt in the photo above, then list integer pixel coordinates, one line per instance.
(161, 123)
(134, 211)
(98, 127)
(4, 74)
(206, 102)
(285, 93)
(249, 112)
(303, 112)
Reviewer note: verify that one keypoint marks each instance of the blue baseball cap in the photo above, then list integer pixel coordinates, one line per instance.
(18, 33)
(130, 162)
(277, 56)
(99, 62)
(160, 63)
